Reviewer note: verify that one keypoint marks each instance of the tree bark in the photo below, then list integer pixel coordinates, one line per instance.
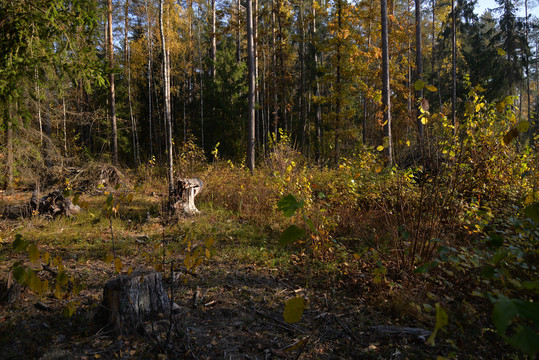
(149, 77)
(166, 95)
(213, 40)
(110, 47)
(251, 95)
(386, 94)
(419, 68)
(9, 146)
(454, 68)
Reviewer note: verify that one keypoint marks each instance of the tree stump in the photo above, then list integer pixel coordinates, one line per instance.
(10, 290)
(184, 193)
(129, 300)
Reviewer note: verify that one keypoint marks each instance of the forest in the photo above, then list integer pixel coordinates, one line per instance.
(269, 179)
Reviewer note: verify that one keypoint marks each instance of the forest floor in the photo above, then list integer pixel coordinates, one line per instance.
(232, 306)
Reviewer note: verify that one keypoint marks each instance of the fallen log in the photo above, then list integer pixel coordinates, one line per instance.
(52, 204)
(184, 193)
(130, 300)
(400, 331)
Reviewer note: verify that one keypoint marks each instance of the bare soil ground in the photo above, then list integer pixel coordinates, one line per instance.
(231, 309)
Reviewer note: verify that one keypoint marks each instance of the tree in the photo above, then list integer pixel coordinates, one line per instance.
(386, 90)
(110, 53)
(166, 95)
(252, 89)
(418, 64)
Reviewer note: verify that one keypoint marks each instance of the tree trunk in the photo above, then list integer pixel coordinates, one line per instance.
(166, 95)
(149, 76)
(213, 40)
(127, 69)
(251, 95)
(64, 125)
(274, 75)
(110, 47)
(201, 74)
(386, 91)
(238, 35)
(9, 148)
(454, 68)
(419, 68)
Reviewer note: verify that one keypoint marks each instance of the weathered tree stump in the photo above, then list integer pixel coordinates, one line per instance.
(184, 193)
(10, 290)
(129, 300)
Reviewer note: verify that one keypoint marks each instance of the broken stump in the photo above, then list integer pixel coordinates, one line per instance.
(184, 193)
(129, 300)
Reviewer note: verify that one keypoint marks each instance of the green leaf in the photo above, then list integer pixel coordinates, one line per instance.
(532, 211)
(290, 235)
(531, 285)
(523, 126)
(419, 85)
(18, 273)
(19, 244)
(310, 225)
(62, 278)
(526, 340)
(499, 256)
(504, 311)
(288, 205)
(293, 309)
(528, 310)
(488, 272)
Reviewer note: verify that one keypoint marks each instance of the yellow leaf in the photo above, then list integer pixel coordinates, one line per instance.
(407, 142)
(118, 265)
(109, 258)
(424, 120)
(33, 252)
(380, 148)
(501, 52)
(293, 309)
(46, 257)
(208, 255)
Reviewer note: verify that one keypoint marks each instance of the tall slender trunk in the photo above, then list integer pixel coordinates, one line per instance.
(527, 63)
(149, 76)
(38, 95)
(257, 82)
(274, 74)
(318, 113)
(127, 69)
(201, 74)
(9, 149)
(338, 84)
(386, 91)
(65, 124)
(111, 80)
(213, 40)
(302, 115)
(454, 68)
(238, 35)
(418, 68)
(166, 95)
(251, 96)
